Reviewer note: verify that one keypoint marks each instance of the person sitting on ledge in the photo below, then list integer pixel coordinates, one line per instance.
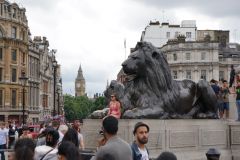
(114, 107)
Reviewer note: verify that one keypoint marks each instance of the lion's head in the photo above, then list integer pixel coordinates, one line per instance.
(146, 61)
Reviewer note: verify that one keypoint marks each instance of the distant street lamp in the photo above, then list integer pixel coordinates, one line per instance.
(23, 79)
(54, 86)
(58, 93)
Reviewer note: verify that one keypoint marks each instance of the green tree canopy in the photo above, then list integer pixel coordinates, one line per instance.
(81, 107)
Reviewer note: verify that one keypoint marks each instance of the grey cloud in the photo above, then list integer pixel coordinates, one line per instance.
(214, 8)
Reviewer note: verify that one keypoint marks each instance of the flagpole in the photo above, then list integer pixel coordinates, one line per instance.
(125, 48)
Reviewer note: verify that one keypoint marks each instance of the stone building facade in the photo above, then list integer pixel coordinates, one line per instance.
(21, 56)
(80, 83)
(13, 60)
(158, 34)
(199, 60)
(33, 81)
(221, 36)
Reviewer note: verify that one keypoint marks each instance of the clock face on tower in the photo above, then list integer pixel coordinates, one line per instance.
(78, 85)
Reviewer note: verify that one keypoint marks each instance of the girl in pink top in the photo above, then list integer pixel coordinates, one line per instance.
(114, 107)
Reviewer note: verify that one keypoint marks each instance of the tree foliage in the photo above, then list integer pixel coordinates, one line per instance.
(81, 107)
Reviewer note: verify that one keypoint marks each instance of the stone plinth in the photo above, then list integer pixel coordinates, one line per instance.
(188, 139)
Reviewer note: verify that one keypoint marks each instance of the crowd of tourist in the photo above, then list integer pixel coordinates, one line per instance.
(50, 146)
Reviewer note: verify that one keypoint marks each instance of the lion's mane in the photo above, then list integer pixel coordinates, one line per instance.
(155, 78)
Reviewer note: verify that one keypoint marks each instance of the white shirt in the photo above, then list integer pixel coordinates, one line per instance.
(144, 154)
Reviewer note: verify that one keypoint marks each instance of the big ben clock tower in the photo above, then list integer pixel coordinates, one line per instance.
(79, 83)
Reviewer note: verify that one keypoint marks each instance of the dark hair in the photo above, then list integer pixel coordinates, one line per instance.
(52, 138)
(25, 127)
(167, 156)
(72, 136)
(24, 149)
(110, 125)
(69, 150)
(139, 124)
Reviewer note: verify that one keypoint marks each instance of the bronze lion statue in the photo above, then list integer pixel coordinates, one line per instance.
(153, 93)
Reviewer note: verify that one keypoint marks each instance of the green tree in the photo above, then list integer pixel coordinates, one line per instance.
(81, 107)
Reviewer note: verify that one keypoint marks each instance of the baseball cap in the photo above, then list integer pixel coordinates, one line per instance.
(140, 124)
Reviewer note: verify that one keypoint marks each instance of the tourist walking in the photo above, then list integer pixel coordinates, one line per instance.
(48, 151)
(225, 98)
(114, 146)
(139, 149)
(76, 126)
(25, 132)
(24, 149)
(238, 100)
(3, 139)
(11, 137)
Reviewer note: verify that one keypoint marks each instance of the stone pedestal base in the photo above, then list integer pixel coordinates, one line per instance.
(188, 139)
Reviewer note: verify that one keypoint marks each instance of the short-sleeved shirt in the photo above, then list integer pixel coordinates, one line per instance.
(144, 154)
(238, 92)
(225, 94)
(3, 136)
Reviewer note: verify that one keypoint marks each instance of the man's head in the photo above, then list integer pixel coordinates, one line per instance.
(76, 124)
(110, 125)
(167, 156)
(55, 124)
(2, 125)
(52, 137)
(140, 132)
(25, 129)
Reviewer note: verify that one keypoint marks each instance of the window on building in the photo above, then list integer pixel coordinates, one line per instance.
(1, 98)
(23, 58)
(14, 55)
(45, 86)
(45, 101)
(174, 75)
(14, 98)
(203, 56)
(203, 74)
(188, 56)
(14, 75)
(14, 32)
(221, 75)
(14, 13)
(168, 34)
(1, 74)
(176, 34)
(188, 74)
(188, 35)
(175, 57)
(1, 54)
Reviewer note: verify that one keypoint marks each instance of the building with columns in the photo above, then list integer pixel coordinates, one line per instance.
(13, 60)
(200, 59)
(80, 83)
(22, 58)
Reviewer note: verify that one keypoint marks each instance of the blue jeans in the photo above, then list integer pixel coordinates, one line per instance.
(2, 146)
(238, 109)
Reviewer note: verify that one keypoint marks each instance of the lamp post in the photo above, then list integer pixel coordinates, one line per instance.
(54, 86)
(58, 93)
(23, 80)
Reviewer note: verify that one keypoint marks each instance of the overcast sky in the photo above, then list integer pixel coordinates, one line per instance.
(92, 32)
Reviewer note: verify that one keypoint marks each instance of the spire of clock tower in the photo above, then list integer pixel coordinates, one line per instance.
(80, 83)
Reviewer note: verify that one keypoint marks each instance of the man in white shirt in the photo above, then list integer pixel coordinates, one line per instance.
(141, 131)
(3, 139)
